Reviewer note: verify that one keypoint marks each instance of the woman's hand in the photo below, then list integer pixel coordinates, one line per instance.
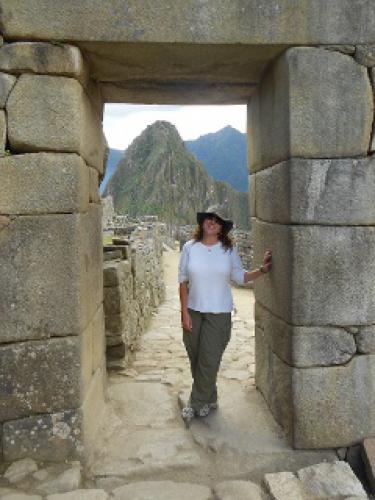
(267, 264)
(187, 323)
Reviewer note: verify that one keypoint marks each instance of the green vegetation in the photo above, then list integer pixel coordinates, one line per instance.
(107, 239)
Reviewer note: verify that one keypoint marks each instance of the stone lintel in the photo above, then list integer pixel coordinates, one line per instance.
(51, 270)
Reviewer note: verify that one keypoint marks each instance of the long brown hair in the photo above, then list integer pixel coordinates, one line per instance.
(224, 237)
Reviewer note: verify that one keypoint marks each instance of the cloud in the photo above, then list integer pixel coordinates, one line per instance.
(123, 123)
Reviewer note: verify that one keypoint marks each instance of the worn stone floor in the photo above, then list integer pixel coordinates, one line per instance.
(143, 437)
(145, 452)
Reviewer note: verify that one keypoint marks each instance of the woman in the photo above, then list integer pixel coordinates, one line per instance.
(207, 264)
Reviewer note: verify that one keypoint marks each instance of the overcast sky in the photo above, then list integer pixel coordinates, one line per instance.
(124, 122)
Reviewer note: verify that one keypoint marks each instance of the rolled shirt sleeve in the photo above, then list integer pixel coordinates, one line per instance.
(237, 273)
(182, 266)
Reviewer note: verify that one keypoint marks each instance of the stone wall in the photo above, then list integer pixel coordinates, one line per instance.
(133, 285)
(311, 148)
(243, 242)
(125, 225)
(52, 362)
(108, 211)
(312, 179)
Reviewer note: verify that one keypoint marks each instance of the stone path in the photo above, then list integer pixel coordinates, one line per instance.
(145, 452)
(144, 437)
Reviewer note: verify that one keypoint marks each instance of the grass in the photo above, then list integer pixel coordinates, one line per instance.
(107, 239)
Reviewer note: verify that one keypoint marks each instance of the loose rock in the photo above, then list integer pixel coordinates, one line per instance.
(68, 480)
(333, 480)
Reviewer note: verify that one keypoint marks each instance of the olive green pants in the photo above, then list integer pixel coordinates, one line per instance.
(205, 346)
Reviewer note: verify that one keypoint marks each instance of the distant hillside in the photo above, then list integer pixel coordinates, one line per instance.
(224, 156)
(114, 157)
(158, 175)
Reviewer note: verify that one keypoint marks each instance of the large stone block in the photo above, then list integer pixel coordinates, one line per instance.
(304, 191)
(285, 486)
(273, 378)
(40, 377)
(321, 407)
(53, 113)
(49, 437)
(252, 195)
(43, 58)
(6, 84)
(115, 322)
(312, 103)
(304, 346)
(51, 274)
(39, 183)
(321, 275)
(334, 406)
(331, 480)
(365, 339)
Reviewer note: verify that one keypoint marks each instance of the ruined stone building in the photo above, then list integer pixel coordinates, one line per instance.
(306, 71)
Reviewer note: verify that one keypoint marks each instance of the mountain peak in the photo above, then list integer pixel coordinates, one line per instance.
(158, 175)
(229, 129)
(161, 127)
(223, 154)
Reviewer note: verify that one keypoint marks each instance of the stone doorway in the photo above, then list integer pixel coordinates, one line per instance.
(311, 164)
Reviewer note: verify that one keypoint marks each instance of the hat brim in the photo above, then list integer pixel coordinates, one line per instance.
(226, 223)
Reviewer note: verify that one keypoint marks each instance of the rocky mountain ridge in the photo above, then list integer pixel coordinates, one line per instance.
(158, 175)
(223, 154)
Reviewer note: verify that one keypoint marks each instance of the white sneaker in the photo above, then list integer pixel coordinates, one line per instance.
(187, 413)
(204, 411)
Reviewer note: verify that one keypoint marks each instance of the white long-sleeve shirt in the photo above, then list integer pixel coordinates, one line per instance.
(209, 270)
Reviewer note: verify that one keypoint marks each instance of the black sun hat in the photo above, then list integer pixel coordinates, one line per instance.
(218, 212)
